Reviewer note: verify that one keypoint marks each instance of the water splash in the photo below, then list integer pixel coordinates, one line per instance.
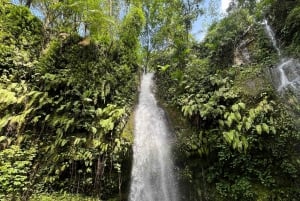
(152, 177)
(287, 72)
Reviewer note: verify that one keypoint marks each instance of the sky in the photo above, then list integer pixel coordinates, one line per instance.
(214, 10)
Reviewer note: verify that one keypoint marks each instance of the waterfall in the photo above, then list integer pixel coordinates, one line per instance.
(152, 176)
(287, 70)
(272, 37)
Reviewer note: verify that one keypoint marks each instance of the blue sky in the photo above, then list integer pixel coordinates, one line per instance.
(214, 10)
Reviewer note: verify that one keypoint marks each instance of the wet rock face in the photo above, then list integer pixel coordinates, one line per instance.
(241, 56)
(241, 53)
(286, 75)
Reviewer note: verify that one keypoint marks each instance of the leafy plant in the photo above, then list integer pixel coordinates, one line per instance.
(15, 177)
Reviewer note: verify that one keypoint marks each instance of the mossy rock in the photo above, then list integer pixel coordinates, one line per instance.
(252, 83)
(128, 131)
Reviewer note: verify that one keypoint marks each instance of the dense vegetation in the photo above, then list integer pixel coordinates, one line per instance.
(65, 99)
(240, 140)
(69, 80)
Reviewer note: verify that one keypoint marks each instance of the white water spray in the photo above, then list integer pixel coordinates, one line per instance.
(152, 176)
(289, 74)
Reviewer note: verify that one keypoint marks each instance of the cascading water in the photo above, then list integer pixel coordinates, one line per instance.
(272, 37)
(152, 176)
(288, 69)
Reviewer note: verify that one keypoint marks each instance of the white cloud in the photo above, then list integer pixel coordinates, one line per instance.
(224, 5)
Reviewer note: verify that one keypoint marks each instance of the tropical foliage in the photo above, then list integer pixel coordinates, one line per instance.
(239, 138)
(69, 78)
(65, 100)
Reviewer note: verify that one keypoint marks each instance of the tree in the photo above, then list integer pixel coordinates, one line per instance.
(168, 24)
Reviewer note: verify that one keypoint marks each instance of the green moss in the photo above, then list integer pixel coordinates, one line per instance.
(262, 193)
(128, 131)
(252, 83)
(61, 197)
(176, 121)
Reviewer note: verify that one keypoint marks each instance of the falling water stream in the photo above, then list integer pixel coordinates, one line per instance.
(272, 37)
(152, 176)
(287, 70)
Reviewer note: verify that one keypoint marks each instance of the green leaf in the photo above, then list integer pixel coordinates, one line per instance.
(245, 142)
(63, 142)
(232, 117)
(2, 138)
(235, 108)
(187, 110)
(240, 146)
(239, 127)
(4, 121)
(94, 130)
(237, 116)
(265, 128)
(231, 135)
(258, 129)
(163, 68)
(242, 105)
(107, 124)
(228, 122)
(235, 144)
(226, 115)
(252, 114)
(272, 128)
(77, 141)
(221, 123)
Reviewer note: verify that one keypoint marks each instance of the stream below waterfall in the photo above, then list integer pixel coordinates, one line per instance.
(152, 176)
